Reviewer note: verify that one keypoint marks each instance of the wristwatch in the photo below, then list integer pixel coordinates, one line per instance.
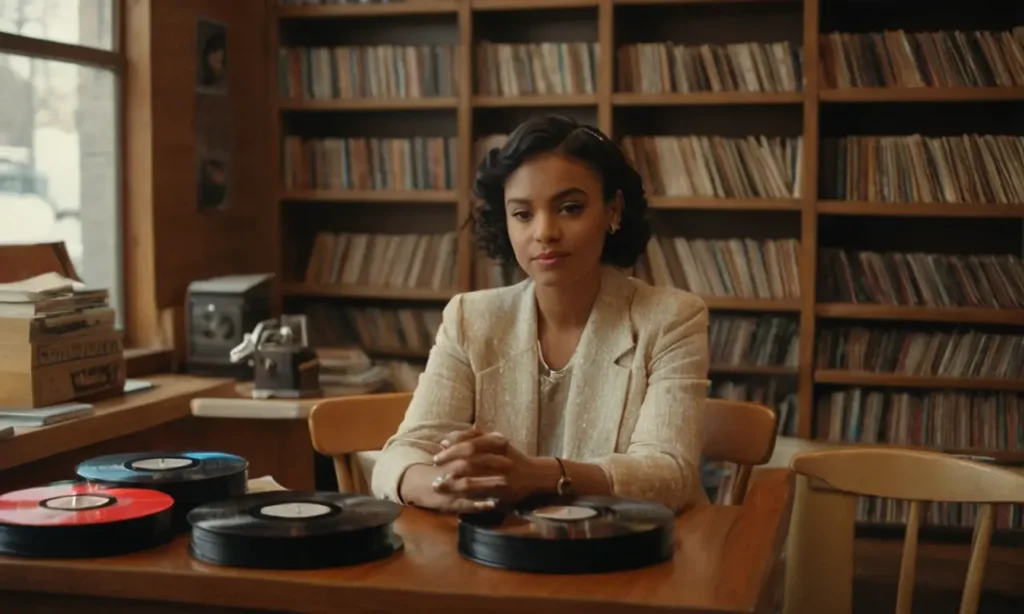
(565, 482)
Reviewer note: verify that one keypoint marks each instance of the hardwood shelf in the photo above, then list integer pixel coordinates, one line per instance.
(367, 292)
(530, 5)
(372, 196)
(731, 303)
(897, 380)
(966, 315)
(738, 204)
(631, 99)
(854, 207)
(675, 2)
(368, 104)
(921, 94)
(409, 7)
(537, 100)
(753, 370)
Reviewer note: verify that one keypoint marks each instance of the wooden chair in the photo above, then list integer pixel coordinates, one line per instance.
(820, 575)
(741, 433)
(344, 426)
(736, 432)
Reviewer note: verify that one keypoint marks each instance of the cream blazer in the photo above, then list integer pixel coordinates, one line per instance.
(635, 405)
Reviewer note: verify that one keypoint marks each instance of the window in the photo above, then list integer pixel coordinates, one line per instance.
(60, 126)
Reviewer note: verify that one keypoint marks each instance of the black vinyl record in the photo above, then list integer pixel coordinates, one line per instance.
(83, 520)
(191, 478)
(294, 530)
(570, 535)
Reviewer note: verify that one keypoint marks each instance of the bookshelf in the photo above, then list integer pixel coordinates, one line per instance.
(841, 183)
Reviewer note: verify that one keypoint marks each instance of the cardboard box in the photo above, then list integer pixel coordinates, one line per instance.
(61, 382)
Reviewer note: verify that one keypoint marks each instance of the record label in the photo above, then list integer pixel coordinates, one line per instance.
(78, 502)
(161, 464)
(299, 509)
(567, 513)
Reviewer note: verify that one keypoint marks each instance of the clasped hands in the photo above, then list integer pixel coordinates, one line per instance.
(475, 470)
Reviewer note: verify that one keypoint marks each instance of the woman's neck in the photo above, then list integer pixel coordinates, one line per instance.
(568, 306)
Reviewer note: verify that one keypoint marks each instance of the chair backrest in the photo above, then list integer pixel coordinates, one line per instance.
(735, 432)
(915, 476)
(742, 433)
(342, 426)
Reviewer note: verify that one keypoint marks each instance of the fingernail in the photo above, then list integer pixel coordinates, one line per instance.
(486, 504)
(440, 480)
(445, 443)
(437, 458)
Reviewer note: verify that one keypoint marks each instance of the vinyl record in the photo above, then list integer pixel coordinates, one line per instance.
(83, 520)
(570, 535)
(294, 530)
(191, 478)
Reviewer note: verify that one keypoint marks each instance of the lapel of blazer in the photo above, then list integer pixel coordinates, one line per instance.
(508, 391)
(597, 393)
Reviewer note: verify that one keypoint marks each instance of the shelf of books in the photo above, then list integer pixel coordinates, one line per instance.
(842, 184)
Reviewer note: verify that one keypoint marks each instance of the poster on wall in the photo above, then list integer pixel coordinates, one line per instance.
(213, 137)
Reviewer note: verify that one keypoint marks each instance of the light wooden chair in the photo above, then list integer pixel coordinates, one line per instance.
(735, 432)
(819, 577)
(740, 433)
(344, 426)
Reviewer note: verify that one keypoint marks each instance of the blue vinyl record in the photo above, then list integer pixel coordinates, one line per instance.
(153, 468)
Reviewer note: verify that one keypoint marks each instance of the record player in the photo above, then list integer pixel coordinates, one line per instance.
(219, 312)
(283, 363)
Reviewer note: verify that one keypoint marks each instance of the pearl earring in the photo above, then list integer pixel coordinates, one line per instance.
(615, 227)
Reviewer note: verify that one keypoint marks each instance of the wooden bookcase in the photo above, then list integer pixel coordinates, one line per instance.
(807, 205)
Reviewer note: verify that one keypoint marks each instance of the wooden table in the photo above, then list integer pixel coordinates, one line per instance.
(726, 560)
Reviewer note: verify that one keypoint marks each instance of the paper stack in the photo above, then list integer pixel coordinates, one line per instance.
(57, 342)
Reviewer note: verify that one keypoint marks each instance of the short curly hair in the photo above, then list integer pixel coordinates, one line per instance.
(585, 144)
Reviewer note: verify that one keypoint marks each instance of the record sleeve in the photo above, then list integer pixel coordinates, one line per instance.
(294, 530)
(570, 535)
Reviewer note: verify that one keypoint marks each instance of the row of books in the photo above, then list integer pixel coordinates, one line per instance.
(718, 166)
(383, 260)
(368, 71)
(944, 58)
(931, 280)
(743, 268)
(417, 163)
(375, 329)
(663, 67)
(959, 353)
(893, 512)
(768, 341)
(520, 69)
(773, 393)
(934, 419)
(963, 168)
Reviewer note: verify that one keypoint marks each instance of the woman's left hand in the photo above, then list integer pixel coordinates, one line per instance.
(478, 464)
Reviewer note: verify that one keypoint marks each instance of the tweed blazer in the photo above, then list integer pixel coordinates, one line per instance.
(635, 405)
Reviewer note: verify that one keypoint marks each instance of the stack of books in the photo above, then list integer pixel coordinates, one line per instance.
(58, 343)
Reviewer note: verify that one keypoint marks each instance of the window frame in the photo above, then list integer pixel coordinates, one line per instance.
(140, 360)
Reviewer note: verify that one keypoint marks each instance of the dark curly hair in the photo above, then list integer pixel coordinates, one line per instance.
(585, 144)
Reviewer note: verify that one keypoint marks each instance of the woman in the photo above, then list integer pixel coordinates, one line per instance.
(579, 380)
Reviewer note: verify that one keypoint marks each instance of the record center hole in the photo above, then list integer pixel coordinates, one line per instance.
(564, 512)
(160, 464)
(299, 509)
(77, 502)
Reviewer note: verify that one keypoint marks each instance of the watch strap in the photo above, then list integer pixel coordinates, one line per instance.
(564, 485)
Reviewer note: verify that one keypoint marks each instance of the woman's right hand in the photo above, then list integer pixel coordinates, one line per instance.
(419, 488)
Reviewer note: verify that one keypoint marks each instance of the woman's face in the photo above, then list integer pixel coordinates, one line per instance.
(557, 218)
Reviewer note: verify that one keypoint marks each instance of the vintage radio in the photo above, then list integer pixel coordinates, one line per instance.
(219, 312)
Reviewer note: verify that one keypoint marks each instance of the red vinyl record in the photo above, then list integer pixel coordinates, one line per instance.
(80, 505)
